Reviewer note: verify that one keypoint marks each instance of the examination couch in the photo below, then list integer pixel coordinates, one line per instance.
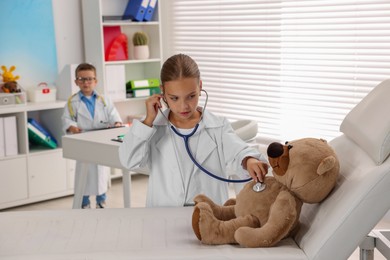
(330, 230)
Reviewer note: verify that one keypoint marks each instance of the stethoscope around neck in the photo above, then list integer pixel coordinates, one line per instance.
(186, 139)
(257, 187)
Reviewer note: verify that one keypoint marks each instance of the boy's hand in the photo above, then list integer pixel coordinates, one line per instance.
(74, 129)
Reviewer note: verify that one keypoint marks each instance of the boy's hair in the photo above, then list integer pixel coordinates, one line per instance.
(84, 66)
(177, 67)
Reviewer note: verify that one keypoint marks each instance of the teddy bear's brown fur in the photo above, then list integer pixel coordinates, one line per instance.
(305, 171)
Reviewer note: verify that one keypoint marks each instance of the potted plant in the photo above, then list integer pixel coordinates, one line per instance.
(141, 48)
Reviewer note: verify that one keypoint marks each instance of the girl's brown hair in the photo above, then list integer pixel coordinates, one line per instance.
(177, 67)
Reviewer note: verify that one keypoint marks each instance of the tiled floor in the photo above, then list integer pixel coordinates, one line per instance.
(138, 196)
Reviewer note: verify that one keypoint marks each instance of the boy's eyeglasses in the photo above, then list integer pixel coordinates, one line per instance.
(83, 80)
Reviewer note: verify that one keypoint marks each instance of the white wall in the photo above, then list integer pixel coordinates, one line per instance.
(68, 32)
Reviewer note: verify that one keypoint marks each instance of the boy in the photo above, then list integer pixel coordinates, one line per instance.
(87, 110)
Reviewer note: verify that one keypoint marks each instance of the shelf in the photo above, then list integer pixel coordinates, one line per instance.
(134, 99)
(120, 62)
(111, 84)
(129, 23)
(36, 173)
(12, 157)
(6, 109)
(35, 149)
(45, 105)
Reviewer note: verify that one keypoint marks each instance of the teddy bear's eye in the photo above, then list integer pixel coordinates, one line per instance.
(290, 146)
(286, 143)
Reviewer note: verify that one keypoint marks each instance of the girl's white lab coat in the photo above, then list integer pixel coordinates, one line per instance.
(153, 148)
(105, 115)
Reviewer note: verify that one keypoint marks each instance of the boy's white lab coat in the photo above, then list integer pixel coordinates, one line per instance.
(105, 115)
(153, 147)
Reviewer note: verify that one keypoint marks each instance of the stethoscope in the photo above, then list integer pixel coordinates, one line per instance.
(259, 186)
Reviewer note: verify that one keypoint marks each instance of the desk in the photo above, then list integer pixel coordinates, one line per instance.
(95, 147)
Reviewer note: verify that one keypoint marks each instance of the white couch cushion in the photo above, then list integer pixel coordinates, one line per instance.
(368, 123)
(333, 228)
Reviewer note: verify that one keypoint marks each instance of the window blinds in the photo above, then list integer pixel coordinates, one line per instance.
(296, 67)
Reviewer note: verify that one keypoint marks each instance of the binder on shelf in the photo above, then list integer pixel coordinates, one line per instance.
(10, 136)
(150, 10)
(146, 92)
(2, 138)
(38, 135)
(112, 18)
(143, 83)
(135, 10)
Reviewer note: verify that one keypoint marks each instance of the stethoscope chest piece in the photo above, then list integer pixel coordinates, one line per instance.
(258, 187)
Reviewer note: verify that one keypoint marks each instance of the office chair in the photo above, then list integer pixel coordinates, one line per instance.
(245, 129)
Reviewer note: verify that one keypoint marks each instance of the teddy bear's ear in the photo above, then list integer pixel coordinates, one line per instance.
(326, 164)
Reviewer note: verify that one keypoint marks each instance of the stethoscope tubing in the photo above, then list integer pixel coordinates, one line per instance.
(186, 143)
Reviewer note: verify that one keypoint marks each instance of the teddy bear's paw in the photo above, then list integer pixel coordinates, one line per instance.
(205, 226)
(202, 212)
(195, 222)
(203, 198)
(204, 207)
(230, 202)
(253, 237)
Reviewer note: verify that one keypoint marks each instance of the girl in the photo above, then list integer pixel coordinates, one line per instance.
(174, 179)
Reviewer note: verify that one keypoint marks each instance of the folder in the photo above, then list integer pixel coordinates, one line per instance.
(2, 138)
(143, 83)
(39, 135)
(150, 10)
(135, 10)
(10, 136)
(145, 92)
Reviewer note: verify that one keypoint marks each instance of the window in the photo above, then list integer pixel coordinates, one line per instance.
(297, 67)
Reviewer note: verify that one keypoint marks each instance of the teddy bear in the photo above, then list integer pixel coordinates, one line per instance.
(304, 171)
(10, 85)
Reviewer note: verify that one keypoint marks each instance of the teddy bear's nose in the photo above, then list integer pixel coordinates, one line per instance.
(275, 150)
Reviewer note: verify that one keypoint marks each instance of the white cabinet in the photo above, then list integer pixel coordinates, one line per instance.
(47, 173)
(13, 179)
(93, 26)
(35, 173)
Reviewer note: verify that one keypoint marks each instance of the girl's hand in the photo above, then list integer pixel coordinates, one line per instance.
(257, 169)
(153, 103)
